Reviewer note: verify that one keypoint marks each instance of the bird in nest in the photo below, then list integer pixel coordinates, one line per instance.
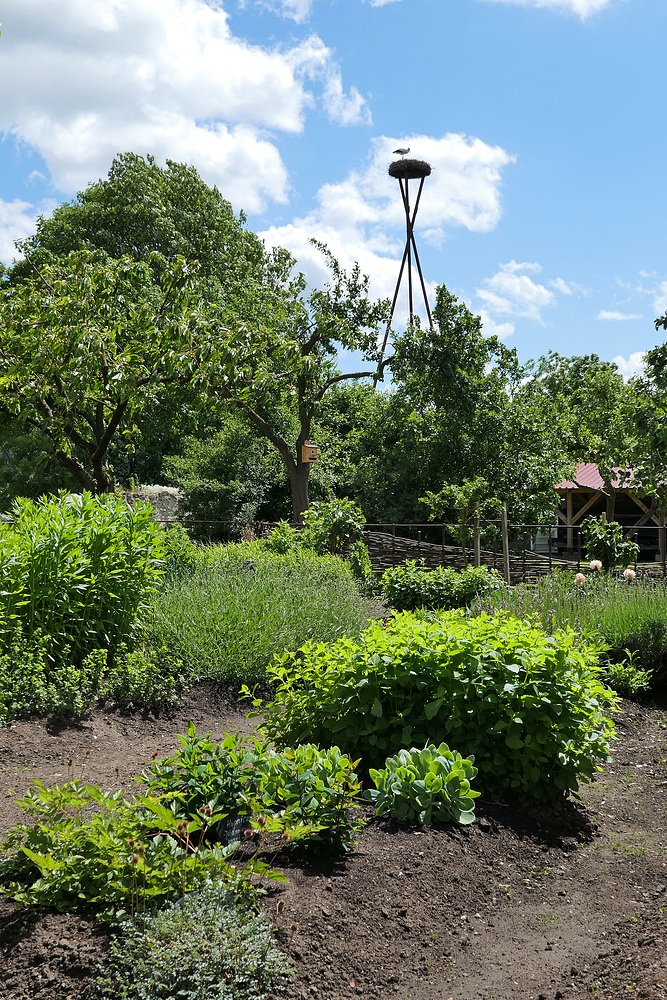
(403, 152)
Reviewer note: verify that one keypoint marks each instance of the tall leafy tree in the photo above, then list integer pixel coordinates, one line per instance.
(87, 342)
(170, 259)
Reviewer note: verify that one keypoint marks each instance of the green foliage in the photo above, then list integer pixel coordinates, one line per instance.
(90, 847)
(145, 677)
(89, 342)
(332, 525)
(243, 604)
(283, 538)
(530, 707)
(604, 540)
(360, 561)
(229, 475)
(205, 946)
(312, 786)
(179, 552)
(311, 791)
(627, 678)
(425, 786)
(78, 570)
(409, 587)
(607, 609)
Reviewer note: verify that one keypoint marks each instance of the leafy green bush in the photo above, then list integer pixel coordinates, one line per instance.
(283, 538)
(621, 616)
(627, 678)
(428, 785)
(30, 684)
(409, 587)
(143, 678)
(77, 569)
(360, 561)
(530, 707)
(311, 791)
(604, 540)
(179, 552)
(242, 605)
(204, 947)
(90, 847)
(333, 525)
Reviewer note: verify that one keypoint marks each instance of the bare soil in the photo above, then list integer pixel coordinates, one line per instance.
(526, 903)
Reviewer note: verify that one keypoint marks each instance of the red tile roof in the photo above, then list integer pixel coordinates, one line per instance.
(588, 477)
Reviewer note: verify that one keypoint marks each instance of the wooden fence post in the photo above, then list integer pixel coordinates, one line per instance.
(506, 545)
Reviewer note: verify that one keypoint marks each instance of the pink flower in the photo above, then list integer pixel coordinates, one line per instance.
(629, 574)
(579, 579)
(595, 564)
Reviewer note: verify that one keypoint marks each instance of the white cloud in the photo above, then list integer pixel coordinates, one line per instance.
(493, 329)
(567, 287)
(583, 8)
(81, 82)
(634, 365)
(362, 218)
(615, 316)
(380, 3)
(511, 292)
(17, 220)
(660, 300)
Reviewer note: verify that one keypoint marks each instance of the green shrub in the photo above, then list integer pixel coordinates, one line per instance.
(530, 707)
(179, 552)
(242, 605)
(77, 569)
(409, 587)
(283, 538)
(30, 684)
(143, 678)
(333, 525)
(312, 792)
(627, 678)
(604, 540)
(206, 946)
(90, 847)
(360, 561)
(425, 786)
(620, 614)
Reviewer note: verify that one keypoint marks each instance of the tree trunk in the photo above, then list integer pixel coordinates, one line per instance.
(299, 473)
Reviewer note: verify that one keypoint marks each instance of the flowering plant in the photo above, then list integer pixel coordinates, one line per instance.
(629, 574)
(595, 565)
(580, 579)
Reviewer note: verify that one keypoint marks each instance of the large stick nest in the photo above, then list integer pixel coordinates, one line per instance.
(409, 169)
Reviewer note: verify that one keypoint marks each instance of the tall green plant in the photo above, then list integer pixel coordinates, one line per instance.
(77, 570)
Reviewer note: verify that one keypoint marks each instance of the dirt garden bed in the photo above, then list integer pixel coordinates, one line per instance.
(523, 904)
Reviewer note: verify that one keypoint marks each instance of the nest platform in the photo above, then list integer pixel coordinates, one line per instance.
(409, 170)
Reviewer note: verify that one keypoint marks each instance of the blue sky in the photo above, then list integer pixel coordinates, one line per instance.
(543, 120)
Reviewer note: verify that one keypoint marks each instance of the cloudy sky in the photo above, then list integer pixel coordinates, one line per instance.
(543, 121)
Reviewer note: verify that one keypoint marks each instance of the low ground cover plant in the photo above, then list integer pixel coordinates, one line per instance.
(243, 604)
(428, 785)
(409, 587)
(208, 945)
(530, 707)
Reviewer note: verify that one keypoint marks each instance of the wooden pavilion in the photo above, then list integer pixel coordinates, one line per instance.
(620, 500)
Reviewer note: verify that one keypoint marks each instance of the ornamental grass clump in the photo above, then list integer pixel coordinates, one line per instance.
(530, 707)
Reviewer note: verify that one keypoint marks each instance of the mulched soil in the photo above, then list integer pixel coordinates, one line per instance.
(526, 903)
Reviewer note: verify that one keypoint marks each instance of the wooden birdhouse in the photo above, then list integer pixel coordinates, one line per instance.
(309, 452)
